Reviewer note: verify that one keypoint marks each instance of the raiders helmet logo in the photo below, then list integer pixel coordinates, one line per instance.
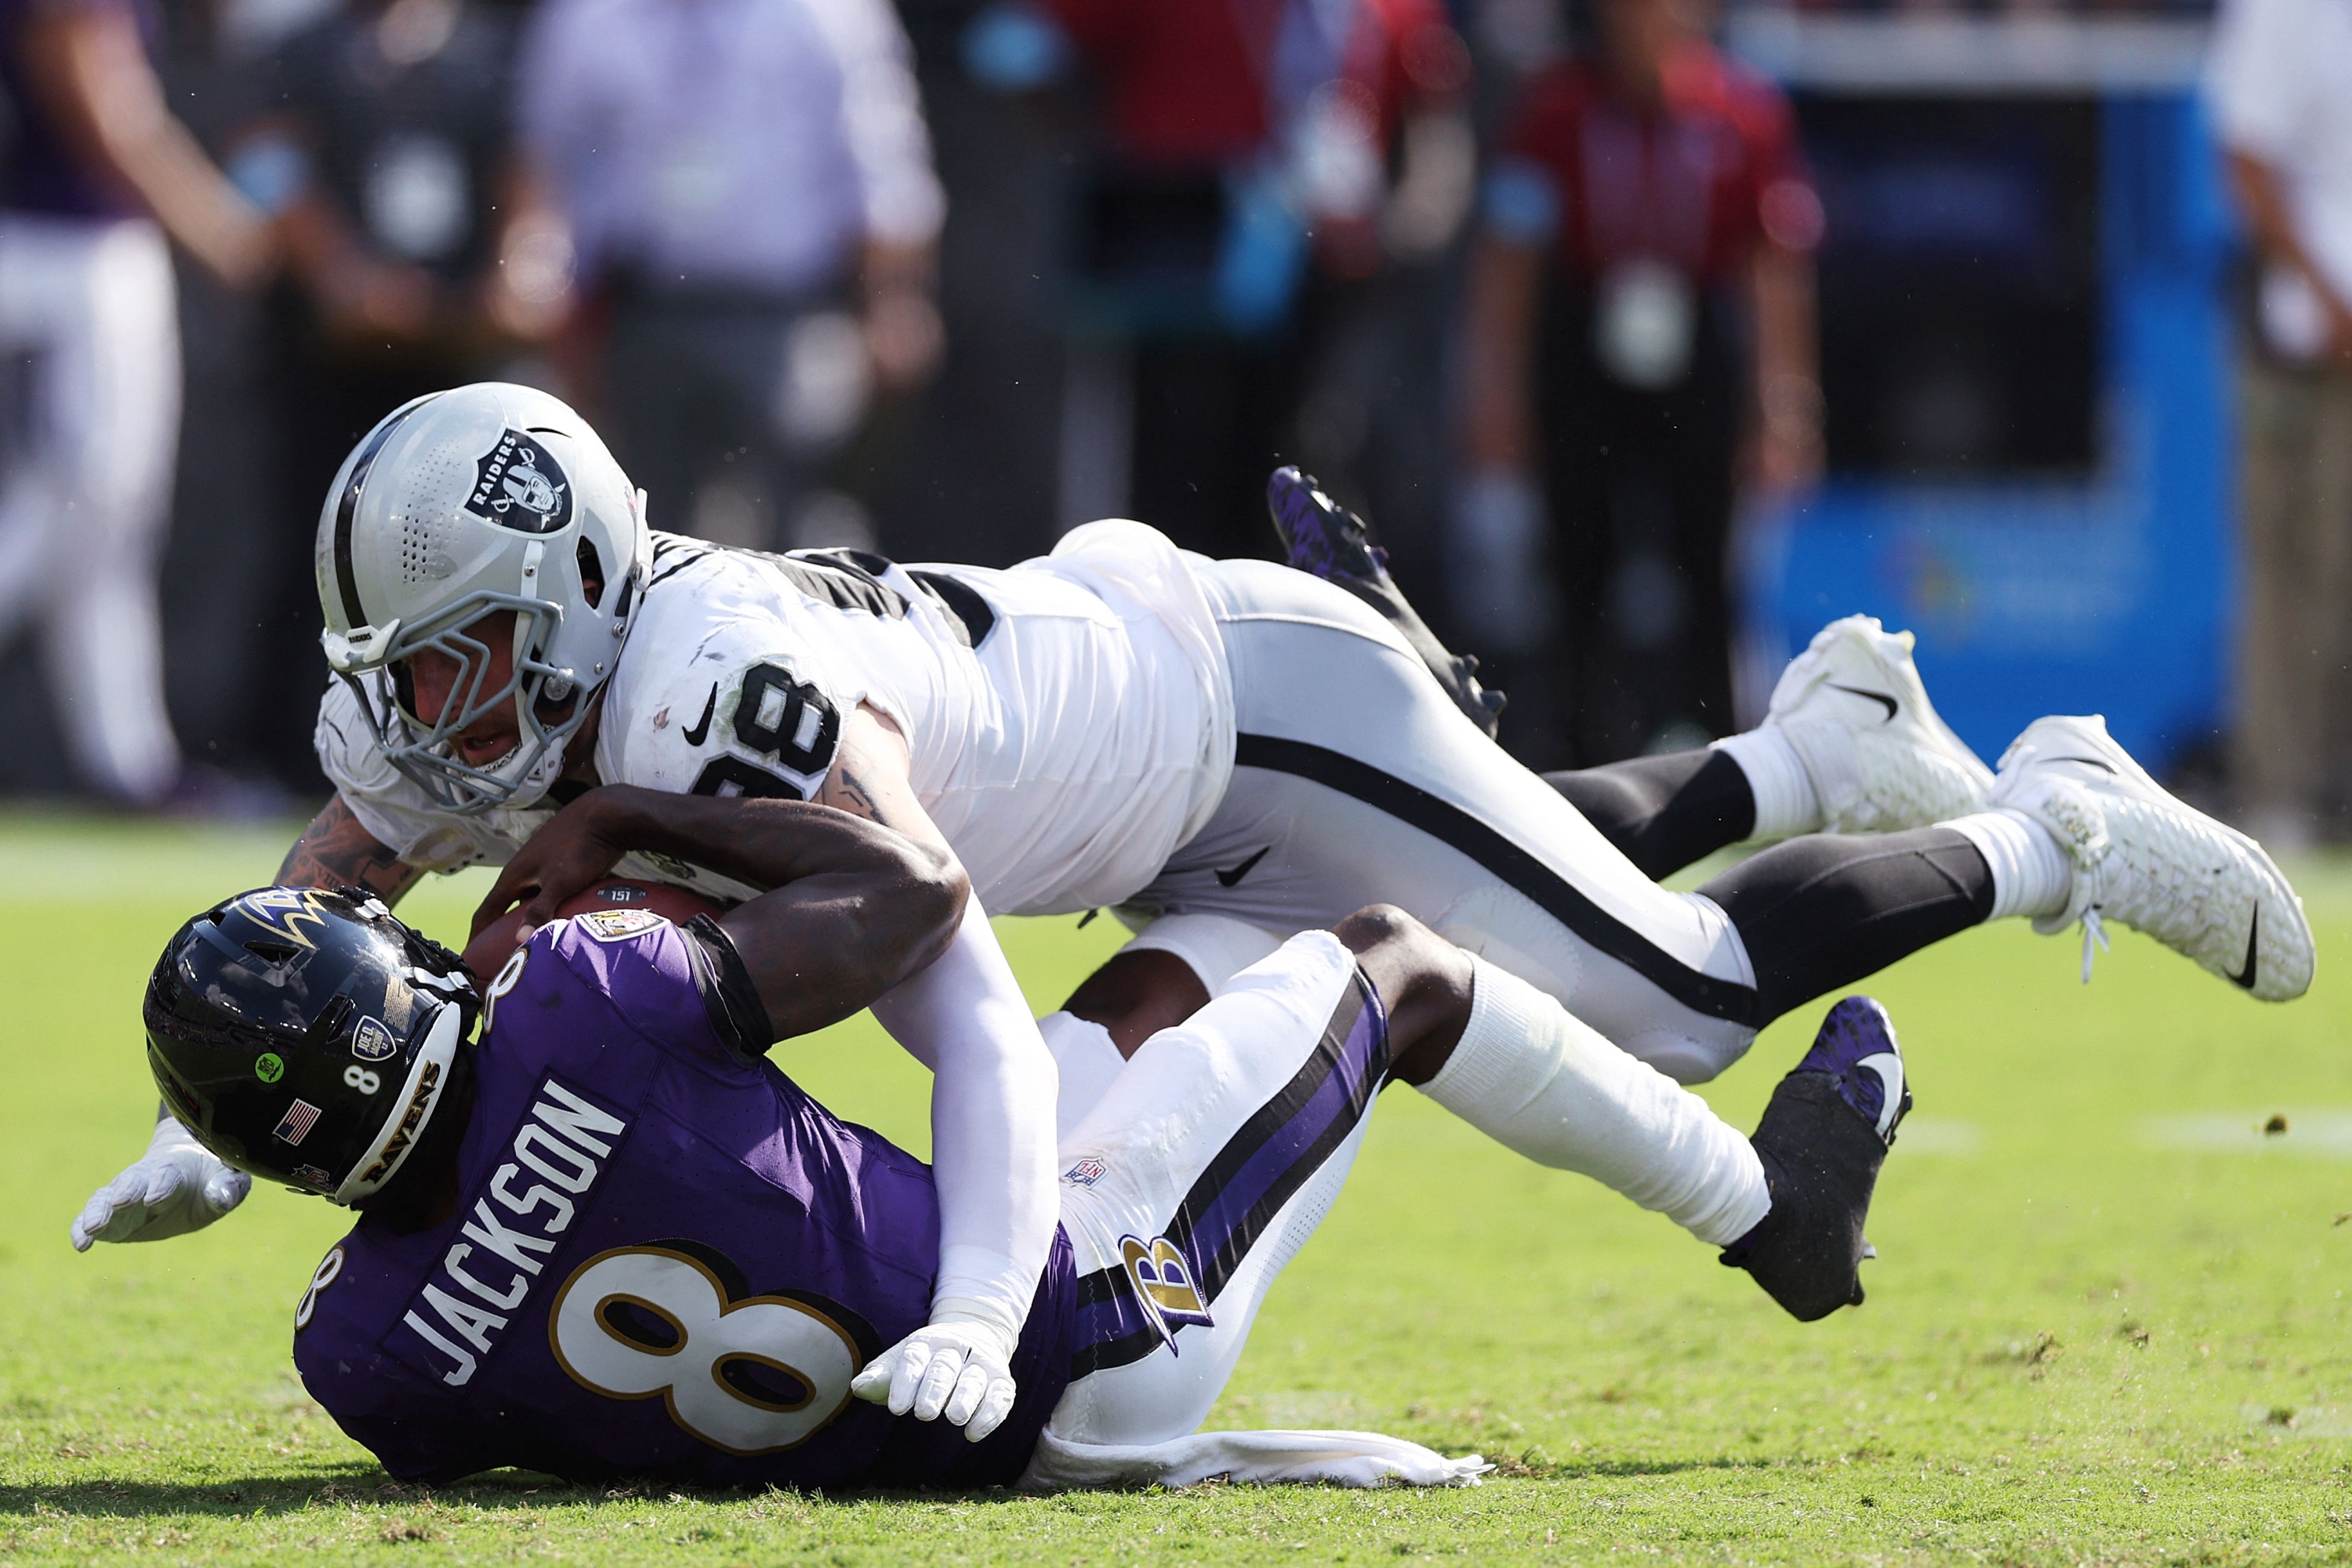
(519, 485)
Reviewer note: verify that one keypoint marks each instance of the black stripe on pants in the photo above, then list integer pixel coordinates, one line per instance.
(1552, 892)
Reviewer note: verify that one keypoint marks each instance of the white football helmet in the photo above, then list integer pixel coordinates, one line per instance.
(459, 505)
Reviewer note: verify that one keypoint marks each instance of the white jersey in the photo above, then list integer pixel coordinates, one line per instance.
(1070, 719)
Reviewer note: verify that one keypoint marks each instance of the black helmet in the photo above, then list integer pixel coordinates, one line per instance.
(305, 1037)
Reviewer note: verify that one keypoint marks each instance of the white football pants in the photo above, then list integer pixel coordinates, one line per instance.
(1356, 780)
(89, 342)
(1200, 1173)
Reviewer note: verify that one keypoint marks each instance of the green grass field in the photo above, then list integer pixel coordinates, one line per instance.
(2108, 1323)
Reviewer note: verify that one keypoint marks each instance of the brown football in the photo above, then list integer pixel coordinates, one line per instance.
(487, 952)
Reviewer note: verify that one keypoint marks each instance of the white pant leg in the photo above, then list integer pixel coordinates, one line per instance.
(1086, 1062)
(1198, 1176)
(81, 529)
(43, 332)
(1361, 783)
(1215, 948)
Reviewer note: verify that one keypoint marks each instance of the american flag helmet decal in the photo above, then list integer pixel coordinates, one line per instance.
(300, 1117)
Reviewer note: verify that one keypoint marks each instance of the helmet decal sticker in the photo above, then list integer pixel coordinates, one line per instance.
(300, 1117)
(372, 1042)
(518, 484)
(270, 1066)
(285, 911)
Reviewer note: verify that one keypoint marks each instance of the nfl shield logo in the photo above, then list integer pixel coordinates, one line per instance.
(1085, 1172)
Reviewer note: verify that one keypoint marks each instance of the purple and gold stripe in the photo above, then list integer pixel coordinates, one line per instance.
(1260, 1167)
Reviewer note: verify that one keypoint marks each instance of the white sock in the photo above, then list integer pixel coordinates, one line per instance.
(2031, 874)
(1785, 805)
(1537, 1080)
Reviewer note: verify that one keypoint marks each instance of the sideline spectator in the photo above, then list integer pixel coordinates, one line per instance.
(1641, 310)
(425, 250)
(422, 257)
(2282, 91)
(967, 471)
(99, 173)
(1237, 299)
(215, 574)
(732, 170)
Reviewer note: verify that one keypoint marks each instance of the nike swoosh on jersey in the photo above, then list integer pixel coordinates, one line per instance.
(1227, 879)
(695, 732)
(1878, 696)
(2244, 978)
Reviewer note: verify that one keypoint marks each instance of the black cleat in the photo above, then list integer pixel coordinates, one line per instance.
(1325, 540)
(1822, 1141)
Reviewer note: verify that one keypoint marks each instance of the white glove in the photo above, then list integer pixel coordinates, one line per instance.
(178, 1187)
(953, 1367)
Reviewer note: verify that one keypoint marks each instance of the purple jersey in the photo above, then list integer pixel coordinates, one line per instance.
(650, 1208)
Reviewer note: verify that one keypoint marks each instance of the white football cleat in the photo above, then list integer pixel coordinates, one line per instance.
(2145, 860)
(1855, 710)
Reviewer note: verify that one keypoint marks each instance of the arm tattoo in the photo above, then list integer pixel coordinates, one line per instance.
(335, 851)
(851, 793)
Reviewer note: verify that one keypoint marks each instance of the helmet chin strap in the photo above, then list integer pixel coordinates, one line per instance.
(533, 786)
(428, 1079)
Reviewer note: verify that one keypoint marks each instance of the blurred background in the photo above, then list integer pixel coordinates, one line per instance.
(1649, 336)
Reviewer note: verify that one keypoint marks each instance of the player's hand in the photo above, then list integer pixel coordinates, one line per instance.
(963, 1371)
(576, 849)
(178, 1187)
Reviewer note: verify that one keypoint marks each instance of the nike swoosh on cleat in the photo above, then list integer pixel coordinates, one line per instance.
(1227, 879)
(701, 727)
(2244, 978)
(1889, 1068)
(1878, 696)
